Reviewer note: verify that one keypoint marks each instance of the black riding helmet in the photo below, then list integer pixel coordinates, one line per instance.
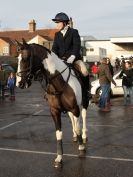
(61, 17)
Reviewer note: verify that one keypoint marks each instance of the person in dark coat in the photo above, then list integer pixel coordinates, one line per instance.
(2, 82)
(67, 46)
(127, 82)
(67, 43)
(111, 69)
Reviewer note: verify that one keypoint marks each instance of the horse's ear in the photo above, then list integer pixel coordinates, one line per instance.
(17, 43)
(24, 41)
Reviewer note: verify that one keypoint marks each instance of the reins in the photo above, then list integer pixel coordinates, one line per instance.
(66, 82)
(29, 75)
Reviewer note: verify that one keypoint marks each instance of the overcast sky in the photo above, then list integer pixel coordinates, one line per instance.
(100, 18)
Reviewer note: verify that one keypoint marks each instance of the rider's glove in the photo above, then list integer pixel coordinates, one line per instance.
(71, 59)
(124, 74)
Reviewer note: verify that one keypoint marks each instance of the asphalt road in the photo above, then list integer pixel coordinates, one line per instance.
(28, 144)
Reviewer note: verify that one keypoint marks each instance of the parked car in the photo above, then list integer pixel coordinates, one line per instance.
(115, 90)
(8, 68)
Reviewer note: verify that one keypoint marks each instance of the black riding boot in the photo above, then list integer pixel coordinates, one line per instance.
(86, 87)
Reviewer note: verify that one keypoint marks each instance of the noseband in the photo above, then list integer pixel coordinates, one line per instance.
(28, 71)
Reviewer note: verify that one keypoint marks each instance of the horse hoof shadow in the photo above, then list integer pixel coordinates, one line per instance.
(82, 153)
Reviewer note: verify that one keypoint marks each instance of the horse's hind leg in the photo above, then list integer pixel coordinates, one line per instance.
(56, 114)
(84, 128)
(85, 104)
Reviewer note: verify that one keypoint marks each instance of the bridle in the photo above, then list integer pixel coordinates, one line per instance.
(28, 75)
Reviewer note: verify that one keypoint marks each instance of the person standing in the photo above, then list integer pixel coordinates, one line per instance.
(2, 82)
(111, 69)
(11, 85)
(105, 79)
(117, 64)
(94, 70)
(127, 82)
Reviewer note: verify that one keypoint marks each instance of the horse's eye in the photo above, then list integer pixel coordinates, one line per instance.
(24, 59)
(18, 49)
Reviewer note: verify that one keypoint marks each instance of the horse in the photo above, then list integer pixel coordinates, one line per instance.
(64, 91)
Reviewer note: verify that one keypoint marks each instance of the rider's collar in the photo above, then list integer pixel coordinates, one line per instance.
(64, 30)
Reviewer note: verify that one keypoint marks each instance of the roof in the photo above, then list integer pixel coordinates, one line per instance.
(122, 39)
(6, 39)
(88, 38)
(18, 35)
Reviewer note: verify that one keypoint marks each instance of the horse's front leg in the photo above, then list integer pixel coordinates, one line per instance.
(75, 115)
(56, 114)
(75, 139)
(79, 136)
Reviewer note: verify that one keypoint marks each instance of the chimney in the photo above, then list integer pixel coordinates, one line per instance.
(71, 22)
(32, 26)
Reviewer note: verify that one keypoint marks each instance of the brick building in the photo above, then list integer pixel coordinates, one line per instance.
(32, 35)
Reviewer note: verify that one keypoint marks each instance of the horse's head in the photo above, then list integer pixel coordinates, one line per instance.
(24, 72)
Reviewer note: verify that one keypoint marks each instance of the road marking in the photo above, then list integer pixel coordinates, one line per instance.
(113, 126)
(7, 126)
(36, 113)
(68, 155)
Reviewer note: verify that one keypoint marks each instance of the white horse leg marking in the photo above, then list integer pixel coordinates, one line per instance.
(18, 79)
(84, 129)
(77, 125)
(78, 131)
(73, 125)
(59, 146)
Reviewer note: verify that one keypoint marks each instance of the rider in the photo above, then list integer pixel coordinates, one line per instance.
(67, 46)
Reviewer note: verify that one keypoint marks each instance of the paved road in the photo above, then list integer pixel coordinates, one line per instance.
(28, 144)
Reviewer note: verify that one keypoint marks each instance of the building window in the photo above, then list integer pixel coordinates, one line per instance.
(91, 50)
(47, 44)
(5, 50)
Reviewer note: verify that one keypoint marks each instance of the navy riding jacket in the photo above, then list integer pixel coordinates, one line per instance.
(67, 45)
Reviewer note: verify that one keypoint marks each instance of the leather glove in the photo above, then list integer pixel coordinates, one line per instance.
(71, 59)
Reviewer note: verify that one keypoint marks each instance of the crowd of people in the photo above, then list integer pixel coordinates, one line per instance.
(105, 73)
(120, 62)
(7, 83)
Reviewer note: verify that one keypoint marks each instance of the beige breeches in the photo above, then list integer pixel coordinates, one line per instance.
(80, 66)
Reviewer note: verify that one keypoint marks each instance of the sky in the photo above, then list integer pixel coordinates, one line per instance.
(102, 19)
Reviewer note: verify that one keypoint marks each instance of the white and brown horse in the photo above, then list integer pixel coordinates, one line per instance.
(64, 92)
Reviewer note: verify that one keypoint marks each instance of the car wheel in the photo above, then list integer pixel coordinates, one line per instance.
(99, 91)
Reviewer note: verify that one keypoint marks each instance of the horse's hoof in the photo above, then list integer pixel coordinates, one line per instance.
(58, 164)
(75, 139)
(82, 153)
(85, 140)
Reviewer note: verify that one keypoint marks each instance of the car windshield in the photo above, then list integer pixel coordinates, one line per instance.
(8, 68)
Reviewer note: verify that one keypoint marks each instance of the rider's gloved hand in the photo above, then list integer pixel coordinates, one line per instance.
(71, 59)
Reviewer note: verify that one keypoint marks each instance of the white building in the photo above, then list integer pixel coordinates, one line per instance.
(115, 47)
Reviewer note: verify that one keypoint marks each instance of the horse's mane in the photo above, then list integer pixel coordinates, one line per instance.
(34, 44)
